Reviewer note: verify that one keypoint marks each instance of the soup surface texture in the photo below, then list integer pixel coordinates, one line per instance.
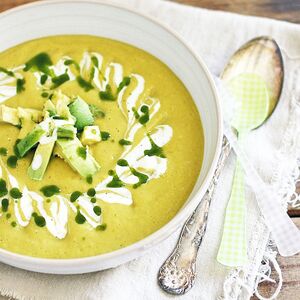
(101, 145)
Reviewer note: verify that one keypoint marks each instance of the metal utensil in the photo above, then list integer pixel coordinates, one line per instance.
(258, 56)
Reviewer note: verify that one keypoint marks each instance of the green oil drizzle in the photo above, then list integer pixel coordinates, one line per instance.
(41, 62)
(116, 181)
(3, 151)
(80, 219)
(12, 161)
(75, 195)
(5, 204)
(101, 227)
(20, 85)
(81, 151)
(50, 190)
(91, 192)
(124, 142)
(97, 210)
(96, 111)
(3, 188)
(7, 72)
(39, 220)
(87, 86)
(155, 150)
(15, 193)
(105, 135)
(59, 80)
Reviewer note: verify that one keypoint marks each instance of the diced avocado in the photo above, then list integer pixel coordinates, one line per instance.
(66, 132)
(27, 126)
(91, 135)
(62, 110)
(69, 150)
(60, 97)
(29, 141)
(9, 115)
(30, 114)
(40, 161)
(81, 111)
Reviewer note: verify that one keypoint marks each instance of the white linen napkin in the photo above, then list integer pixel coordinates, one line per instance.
(273, 150)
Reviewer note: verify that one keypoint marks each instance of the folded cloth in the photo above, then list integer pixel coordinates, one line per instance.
(273, 150)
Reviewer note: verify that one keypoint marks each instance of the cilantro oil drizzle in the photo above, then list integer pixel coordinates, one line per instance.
(155, 150)
(50, 190)
(116, 181)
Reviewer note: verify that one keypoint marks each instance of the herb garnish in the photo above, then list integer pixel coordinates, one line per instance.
(108, 94)
(75, 195)
(7, 72)
(80, 219)
(91, 192)
(97, 210)
(41, 62)
(122, 162)
(89, 179)
(69, 62)
(43, 79)
(50, 190)
(39, 220)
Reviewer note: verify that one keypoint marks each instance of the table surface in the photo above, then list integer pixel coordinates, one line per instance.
(288, 10)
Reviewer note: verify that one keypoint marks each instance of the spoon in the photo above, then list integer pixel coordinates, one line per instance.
(258, 56)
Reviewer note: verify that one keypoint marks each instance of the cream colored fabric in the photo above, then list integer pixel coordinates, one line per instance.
(272, 150)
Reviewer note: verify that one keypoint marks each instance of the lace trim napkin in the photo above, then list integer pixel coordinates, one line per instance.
(273, 150)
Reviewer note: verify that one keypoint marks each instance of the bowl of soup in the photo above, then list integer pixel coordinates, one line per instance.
(110, 133)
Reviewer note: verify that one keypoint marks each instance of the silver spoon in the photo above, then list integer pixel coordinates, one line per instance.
(260, 56)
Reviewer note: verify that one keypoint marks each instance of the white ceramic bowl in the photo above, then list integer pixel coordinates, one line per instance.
(94, 18)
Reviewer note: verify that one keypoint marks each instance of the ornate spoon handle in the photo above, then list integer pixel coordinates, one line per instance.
(177, 274)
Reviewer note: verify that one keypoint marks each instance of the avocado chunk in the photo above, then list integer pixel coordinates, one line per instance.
(30, 114)
(40, 161)
(9, 115)
(31, 139)
(68, 149)
(81, 111)
(66, 132)
(27, 126)
(91, 135)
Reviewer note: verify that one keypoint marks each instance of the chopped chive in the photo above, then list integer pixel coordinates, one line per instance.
(75, 195)
(3, 151)
(15, 193)
(50, 190)
(124, 142)
(12, 161)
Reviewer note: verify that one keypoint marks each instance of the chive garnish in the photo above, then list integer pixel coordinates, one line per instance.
(4, 204)
(20, 85)
(97, 210)
(15, 193)
(124, 142)
(12, 161)
(87, 86)
(105, 135)
(75, 195)
(3, 188)
(3, 151)
(50, 190)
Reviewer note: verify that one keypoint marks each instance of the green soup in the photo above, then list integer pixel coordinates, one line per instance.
(101, 145)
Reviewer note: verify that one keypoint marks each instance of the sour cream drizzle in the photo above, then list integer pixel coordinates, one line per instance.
(57, 213)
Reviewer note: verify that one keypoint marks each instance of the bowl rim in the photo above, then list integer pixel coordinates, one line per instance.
(169, 228)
